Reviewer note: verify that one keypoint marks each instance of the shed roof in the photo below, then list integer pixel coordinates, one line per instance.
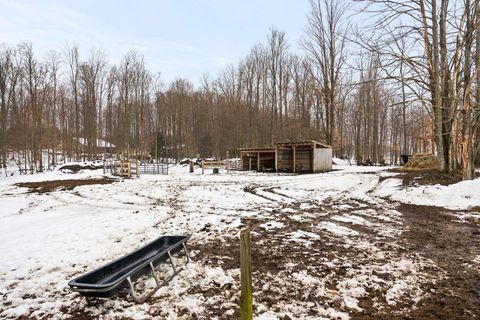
(317, 144)
(257, 149)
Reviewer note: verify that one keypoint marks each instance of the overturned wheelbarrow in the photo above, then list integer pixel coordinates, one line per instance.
(120, 274)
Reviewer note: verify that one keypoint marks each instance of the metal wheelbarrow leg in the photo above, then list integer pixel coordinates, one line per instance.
(141, 298)
(120, 274)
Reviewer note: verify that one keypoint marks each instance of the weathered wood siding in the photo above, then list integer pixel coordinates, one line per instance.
(285, 159)
(303, 161)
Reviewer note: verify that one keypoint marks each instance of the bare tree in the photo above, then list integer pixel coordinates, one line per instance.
(8, 82)
(72, 59)
(325, 46)
(91, 79)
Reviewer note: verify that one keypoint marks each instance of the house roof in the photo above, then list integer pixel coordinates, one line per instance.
(317, 144)
(100, 143)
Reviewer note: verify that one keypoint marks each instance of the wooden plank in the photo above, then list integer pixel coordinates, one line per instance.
(246, 295)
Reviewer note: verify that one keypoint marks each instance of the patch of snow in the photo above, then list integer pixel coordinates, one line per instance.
(459, 196)
(271, 225)
(342, 207)
(304, 237)
(350, 290)
(465, 216)
(398, 290)
(336, 229)
(351, 219)
(297, 218)
(385, 174)
(306, 206)
(13, 206)
(269, 315)
(303, 234)
(341, 162)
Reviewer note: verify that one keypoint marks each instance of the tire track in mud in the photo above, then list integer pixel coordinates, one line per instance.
(301, 266)
(452, 245)
(288, 249)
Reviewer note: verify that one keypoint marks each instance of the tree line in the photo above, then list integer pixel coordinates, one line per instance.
(404, 81)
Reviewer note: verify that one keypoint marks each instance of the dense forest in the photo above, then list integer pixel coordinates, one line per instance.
(406, 80)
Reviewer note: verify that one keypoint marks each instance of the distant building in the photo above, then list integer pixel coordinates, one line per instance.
(289, 156)
(101, 145)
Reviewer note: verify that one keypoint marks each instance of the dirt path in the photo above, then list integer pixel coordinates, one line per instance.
(452, 244)
(440, 280)
(310, 256)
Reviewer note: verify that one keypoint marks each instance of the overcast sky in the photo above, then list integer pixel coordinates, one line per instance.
(179, 38)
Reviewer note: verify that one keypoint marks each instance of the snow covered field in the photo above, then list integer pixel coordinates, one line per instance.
(326, 245)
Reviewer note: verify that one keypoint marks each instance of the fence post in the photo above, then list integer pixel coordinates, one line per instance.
(246, 296)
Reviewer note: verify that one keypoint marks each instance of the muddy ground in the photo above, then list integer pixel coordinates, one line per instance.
(52, 185)
(451, 287)
(394, 261)
(452, 244)
(432, 232)
(428, 177)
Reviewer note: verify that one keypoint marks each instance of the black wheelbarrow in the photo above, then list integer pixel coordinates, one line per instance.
(120, 274)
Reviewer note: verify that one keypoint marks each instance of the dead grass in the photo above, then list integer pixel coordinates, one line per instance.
(416, 177)
(421, 161)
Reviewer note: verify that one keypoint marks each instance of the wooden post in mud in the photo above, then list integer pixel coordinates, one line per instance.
(246, 297)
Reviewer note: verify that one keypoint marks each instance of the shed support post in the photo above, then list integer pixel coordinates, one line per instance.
(276, 159)
(312, 158)
(294, 148)
(258, 161)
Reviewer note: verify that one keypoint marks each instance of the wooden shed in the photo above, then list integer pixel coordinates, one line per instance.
(303, 156)
(258, 159)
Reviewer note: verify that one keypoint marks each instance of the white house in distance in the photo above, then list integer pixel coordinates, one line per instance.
(101, 145)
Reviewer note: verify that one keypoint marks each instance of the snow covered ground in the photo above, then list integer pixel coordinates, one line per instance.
(324, 245)
(458, 196)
